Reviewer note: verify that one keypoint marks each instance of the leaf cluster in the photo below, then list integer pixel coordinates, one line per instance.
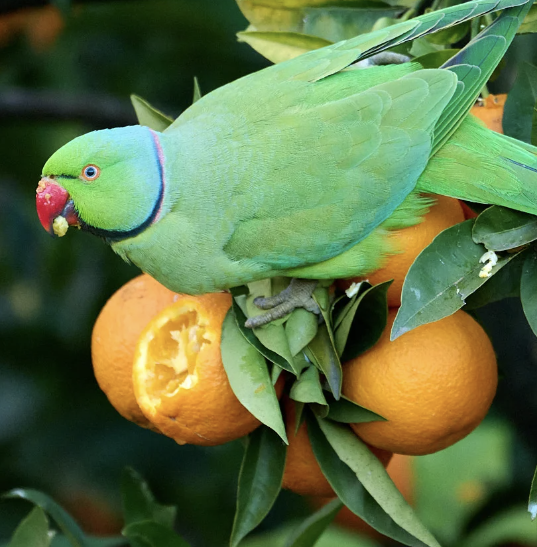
(282, 29)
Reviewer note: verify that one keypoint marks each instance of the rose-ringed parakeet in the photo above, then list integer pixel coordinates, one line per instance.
(301, 169)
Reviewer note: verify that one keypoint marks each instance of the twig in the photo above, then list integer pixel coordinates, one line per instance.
(97, 110)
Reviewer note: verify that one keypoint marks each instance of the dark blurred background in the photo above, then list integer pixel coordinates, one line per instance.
(62, 75)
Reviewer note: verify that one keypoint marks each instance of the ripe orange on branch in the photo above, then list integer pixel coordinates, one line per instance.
(433, 384)
(409, 242)
(114, 339)
(179, 379)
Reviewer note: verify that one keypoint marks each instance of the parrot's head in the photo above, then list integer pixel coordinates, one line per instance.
(108, 182)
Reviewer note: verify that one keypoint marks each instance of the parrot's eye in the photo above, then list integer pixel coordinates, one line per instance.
(90, 172)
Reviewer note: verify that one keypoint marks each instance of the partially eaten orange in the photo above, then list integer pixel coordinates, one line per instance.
(178, 376)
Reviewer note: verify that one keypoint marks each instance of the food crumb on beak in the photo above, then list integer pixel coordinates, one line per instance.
(60, 226)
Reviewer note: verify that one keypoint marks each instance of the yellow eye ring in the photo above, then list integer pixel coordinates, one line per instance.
(90, 172)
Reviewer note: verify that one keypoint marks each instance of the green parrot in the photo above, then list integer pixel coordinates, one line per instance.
(301, 169)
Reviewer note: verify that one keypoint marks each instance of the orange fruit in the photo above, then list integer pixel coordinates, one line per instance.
(433, 384)
(302, 473)
(178, 376)
(409, 242)
(490, 111)
(114, 339)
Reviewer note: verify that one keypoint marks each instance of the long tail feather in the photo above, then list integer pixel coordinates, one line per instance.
(479, 165)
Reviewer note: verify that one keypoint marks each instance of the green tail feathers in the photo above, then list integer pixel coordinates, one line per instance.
(482, 166)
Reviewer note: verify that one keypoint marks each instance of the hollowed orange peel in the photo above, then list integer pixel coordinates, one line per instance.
(178, 376)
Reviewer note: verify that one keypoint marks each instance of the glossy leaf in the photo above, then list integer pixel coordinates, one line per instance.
(322, 353)
(441, 278)
(511, 526)
(278, 47)
(362, 484)
(197, 91)
(519, 111)
(274, 338)
(252, 339)
(260, 481)
(435, 59)
(153, 534)
(528, 290)
(139, 504)
(348, 412)
(532, 503)
(307, 388)
(341, 23)
(309, 531)
(149, 116)
(300, 328)
(362, 329)
(322, 349)
(499, 228)
(504, 284)
(249, 377)
(65, 522)
(32, 531)
(530, 22)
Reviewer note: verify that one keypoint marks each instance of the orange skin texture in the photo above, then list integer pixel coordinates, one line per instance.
(401, 472)
(433, 384)
(302, 473)
(408, 244)
(490, 111)
(114, 338)
(208, 413)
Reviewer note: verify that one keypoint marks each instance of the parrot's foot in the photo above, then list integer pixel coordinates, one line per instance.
(296, 295)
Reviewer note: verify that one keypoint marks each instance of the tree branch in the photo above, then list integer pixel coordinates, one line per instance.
(97, 110)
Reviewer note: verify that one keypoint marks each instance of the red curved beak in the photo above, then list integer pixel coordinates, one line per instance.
(52, 201)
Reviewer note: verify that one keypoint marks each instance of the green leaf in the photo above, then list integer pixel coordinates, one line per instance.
(509, 526)
(65, 522)
(519, 110)
(63, 5)
(322, 353)
(532, 503)
(249, 377)
(528, 290)
(362, 484)
(153, 534)
(32, 531)
(274, 338)
(139, 504)
(281, 46)
(197, 91)
(307, 388)
(252, 339)
(348, 412)
(504, 284)
(499, 228)
(341, 23)
(530, 22)
(300, 328)
(436, 58)
(260, 481)
(149, 116)
(441, 278)
(362, 329)
(309, 531)
(450, 35)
